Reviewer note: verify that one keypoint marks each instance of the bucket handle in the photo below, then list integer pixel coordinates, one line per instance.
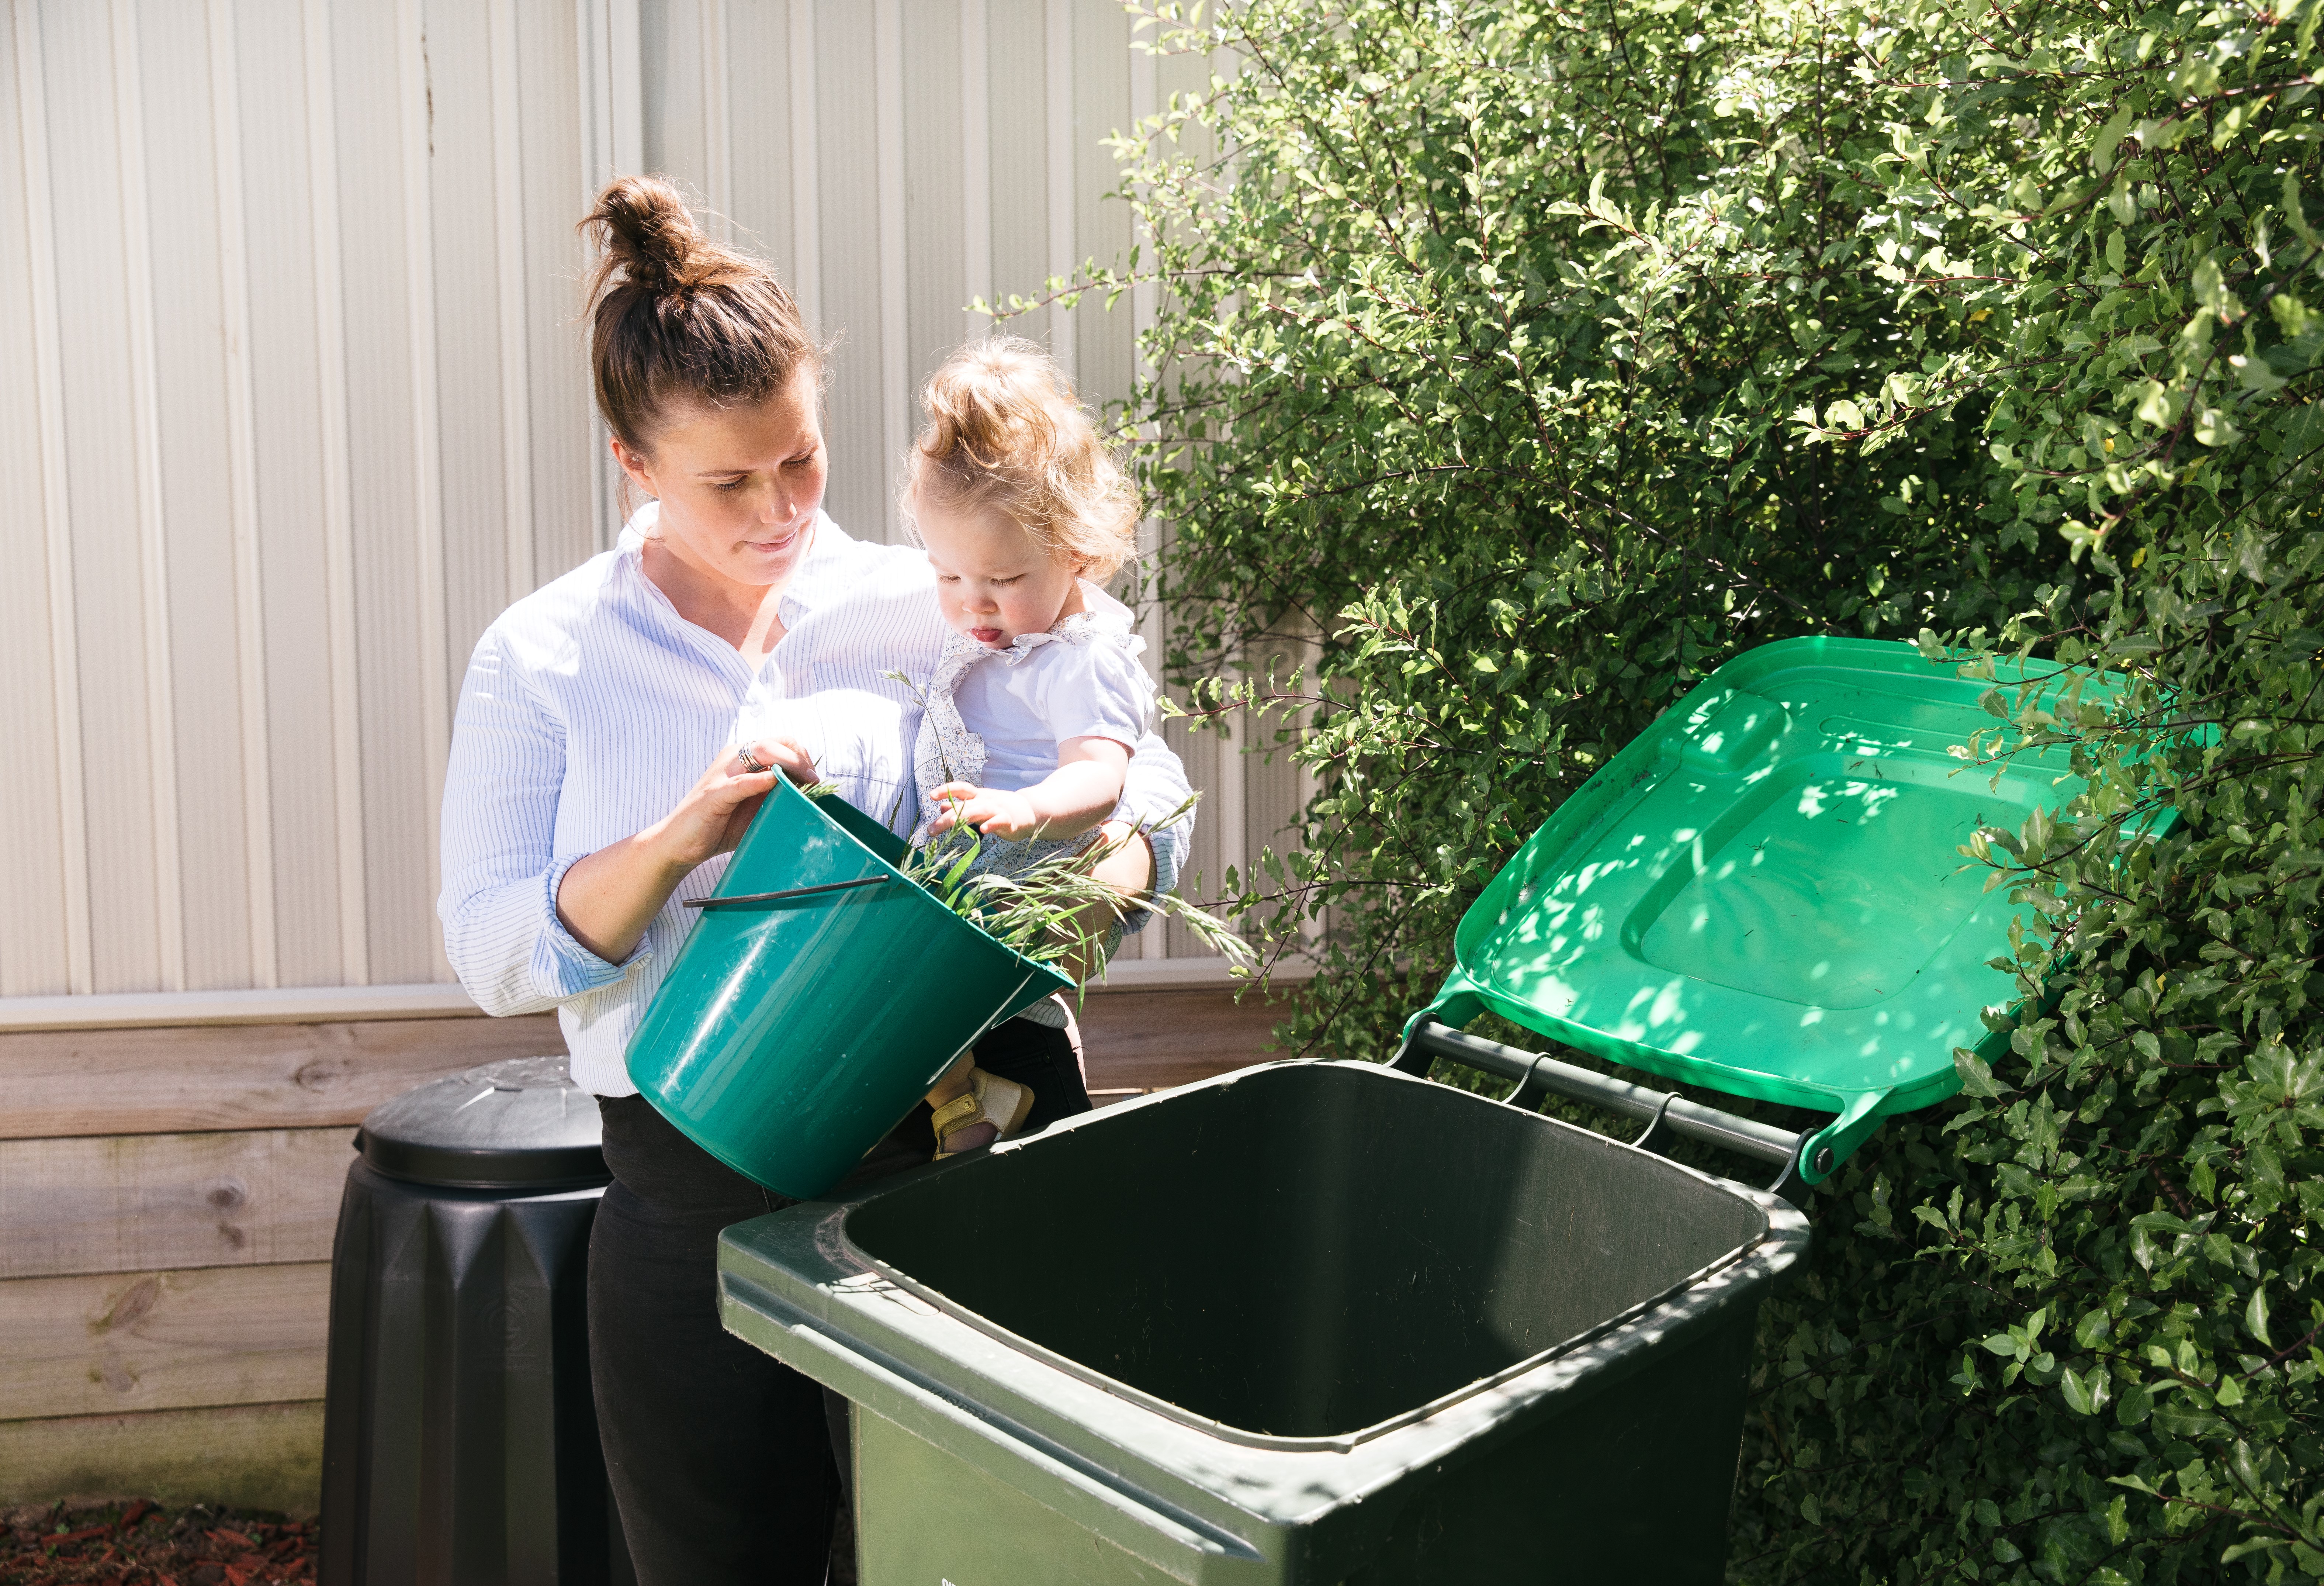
(1537, 1076)
(743, 899)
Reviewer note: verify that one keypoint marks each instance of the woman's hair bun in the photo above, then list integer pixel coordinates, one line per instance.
(678, 316)
(645, 230)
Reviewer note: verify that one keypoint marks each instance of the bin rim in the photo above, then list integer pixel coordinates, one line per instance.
(1783, 1233)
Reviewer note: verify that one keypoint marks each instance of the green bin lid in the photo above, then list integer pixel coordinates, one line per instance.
(1764, 893)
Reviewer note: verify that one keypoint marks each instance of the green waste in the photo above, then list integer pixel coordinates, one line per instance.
(1764, 892)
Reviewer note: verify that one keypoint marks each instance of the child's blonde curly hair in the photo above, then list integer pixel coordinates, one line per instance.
(1005, 434)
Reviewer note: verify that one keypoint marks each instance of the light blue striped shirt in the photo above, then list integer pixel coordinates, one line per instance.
(591, 707)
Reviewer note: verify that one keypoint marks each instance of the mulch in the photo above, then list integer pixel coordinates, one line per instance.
(143, 1544)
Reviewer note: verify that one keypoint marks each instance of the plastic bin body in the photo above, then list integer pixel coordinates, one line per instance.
(1311, 1323)
(794, 1030)
(460, 1433)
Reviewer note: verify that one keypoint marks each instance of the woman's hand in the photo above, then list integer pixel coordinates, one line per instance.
(991, 810)
(1128, 868)
(606, 900)
(711, 819)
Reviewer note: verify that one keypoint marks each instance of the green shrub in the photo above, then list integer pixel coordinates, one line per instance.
(1536, 359)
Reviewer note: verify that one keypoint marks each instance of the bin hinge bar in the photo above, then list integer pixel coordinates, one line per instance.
(1650, 1139)
(1537, 1075)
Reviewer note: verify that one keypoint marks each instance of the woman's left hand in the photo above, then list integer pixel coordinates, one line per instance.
(1129, 868)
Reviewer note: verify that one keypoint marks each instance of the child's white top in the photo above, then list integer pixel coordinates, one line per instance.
(1080, 679)
(995, 718)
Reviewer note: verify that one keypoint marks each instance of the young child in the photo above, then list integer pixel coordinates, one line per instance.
(1038, 697)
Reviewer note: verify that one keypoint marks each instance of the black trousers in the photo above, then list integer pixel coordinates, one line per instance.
(721, 1458)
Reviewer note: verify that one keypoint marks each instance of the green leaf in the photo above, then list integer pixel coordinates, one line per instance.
(2256, 1316)
(2085, 1396)
(2292, 214)
(1977, 1078)
(2252, 1544)
(2211, 287)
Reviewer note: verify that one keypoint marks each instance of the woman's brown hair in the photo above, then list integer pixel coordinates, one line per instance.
(678, 317)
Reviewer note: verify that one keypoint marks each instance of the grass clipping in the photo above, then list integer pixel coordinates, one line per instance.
(1057, 911)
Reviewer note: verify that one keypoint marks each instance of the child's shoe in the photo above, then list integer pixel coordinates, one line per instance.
(991, 1109)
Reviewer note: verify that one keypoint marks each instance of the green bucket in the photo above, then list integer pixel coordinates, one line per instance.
(820, 996)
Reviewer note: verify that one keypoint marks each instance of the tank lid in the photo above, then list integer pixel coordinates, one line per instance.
(518, 1123)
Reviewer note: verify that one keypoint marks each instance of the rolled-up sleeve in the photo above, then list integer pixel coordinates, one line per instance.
(1157, 786)
(501, 870)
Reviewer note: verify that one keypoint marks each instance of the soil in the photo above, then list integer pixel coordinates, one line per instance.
(143, 1544)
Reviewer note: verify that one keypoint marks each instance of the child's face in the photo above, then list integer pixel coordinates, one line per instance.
(992, 582)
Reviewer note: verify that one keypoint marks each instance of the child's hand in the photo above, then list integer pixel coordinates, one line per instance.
(991, 810)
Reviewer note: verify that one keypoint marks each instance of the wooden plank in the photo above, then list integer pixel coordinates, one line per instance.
(145, 1203)
(247, 1456)
(121, 1082)
(128, 1082)
(162, 1340)
(1148, 1040)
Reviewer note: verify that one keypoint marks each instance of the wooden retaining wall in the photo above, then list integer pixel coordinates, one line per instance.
(167, 1201)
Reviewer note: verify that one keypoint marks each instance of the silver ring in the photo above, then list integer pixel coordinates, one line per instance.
(750, 761)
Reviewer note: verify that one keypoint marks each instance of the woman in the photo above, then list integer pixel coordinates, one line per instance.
(736, 626)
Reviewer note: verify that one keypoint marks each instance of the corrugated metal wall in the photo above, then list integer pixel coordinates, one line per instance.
(294, 400)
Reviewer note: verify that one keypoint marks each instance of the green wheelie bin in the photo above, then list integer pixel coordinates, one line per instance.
(1313, 1322)
(1323, 1321)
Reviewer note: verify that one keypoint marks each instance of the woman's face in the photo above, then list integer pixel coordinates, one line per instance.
(739, 486)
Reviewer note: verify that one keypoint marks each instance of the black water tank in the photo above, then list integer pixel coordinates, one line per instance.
(459, 1434)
